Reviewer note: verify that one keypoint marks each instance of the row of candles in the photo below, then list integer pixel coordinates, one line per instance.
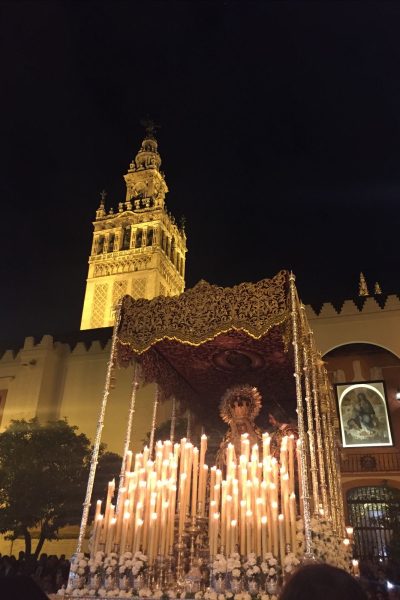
(252, 509)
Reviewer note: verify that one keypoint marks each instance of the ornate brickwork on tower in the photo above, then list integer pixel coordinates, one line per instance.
(138, 249)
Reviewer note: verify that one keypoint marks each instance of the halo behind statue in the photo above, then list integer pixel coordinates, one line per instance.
(235, 395)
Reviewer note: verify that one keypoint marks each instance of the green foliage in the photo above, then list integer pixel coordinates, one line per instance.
(43, 475)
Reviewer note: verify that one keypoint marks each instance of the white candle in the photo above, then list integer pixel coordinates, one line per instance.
(110, 535)
(195, 481)
(264, 536)
(292, 513)
(97, 533)
(125, 524)
(281, 538)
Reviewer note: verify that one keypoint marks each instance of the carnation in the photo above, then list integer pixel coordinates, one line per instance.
(236, 572)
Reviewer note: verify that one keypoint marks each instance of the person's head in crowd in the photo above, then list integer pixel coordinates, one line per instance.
(322, 582)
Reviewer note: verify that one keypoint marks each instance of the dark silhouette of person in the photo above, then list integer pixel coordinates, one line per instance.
(317, 581)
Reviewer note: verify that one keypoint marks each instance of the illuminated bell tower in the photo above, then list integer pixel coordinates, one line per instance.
(137, 249)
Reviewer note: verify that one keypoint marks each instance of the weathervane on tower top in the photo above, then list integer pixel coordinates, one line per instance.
(150, 127)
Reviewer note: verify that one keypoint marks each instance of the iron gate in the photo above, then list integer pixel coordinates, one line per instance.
(374, 513)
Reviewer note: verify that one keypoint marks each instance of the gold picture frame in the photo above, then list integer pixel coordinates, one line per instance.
(363, 414)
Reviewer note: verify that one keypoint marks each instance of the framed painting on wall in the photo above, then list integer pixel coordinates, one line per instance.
(363, 414)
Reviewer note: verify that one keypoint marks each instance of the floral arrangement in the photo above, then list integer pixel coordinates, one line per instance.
(251, 566)
(219, 565)
(139, 563)
(327, 546)
(80, 565)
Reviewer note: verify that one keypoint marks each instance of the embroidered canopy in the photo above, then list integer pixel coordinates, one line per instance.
(209, 338)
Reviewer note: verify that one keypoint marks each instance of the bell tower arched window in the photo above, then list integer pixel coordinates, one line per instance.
(126, 240)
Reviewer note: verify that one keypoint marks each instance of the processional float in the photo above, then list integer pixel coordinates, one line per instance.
(179, 523)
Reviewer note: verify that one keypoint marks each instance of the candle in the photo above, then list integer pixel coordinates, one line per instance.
(259, 505)
(349, 531)
(264, 536)
(356, 570)
(249, 522)
(110, 493)
(233, 536)
(245, 445)
(164, 514)
(125, 524)
(275, 540)
(281, 538)
(292, 513)
(182, 504)
(203, 449)
(98, 509)
(195, 481)
(202, 499)
(97, 532)
(242, 522)
(215, 534)
(128, 460)
(152, 537)
(138, 535)
(171, 520)
(110, 535)
(266, 439)
(228, 525)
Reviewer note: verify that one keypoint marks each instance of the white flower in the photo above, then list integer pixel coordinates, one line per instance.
(145, 592)
(221, 596)
(264, 597)
(61, 592)
(80, 555)
(236, 572)
(228, 595)
(81, 571)
(82, 563)
(157, 594)
(171, 594)
(256, 570)
(113, 562)
(272, 562)
(102, 593)
(198, 595)
(109, 570)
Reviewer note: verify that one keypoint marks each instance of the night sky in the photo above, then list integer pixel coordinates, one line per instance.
(280, 140)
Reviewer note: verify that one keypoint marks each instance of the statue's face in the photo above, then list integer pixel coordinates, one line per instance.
(241, 428)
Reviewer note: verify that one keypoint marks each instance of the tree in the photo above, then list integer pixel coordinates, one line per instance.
(43, 475)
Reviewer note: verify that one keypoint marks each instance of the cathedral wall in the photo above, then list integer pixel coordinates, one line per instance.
(33, 379)
(49, 381)
(371, 325)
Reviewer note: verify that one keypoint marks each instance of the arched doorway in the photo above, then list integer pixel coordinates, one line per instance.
(374, 513)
